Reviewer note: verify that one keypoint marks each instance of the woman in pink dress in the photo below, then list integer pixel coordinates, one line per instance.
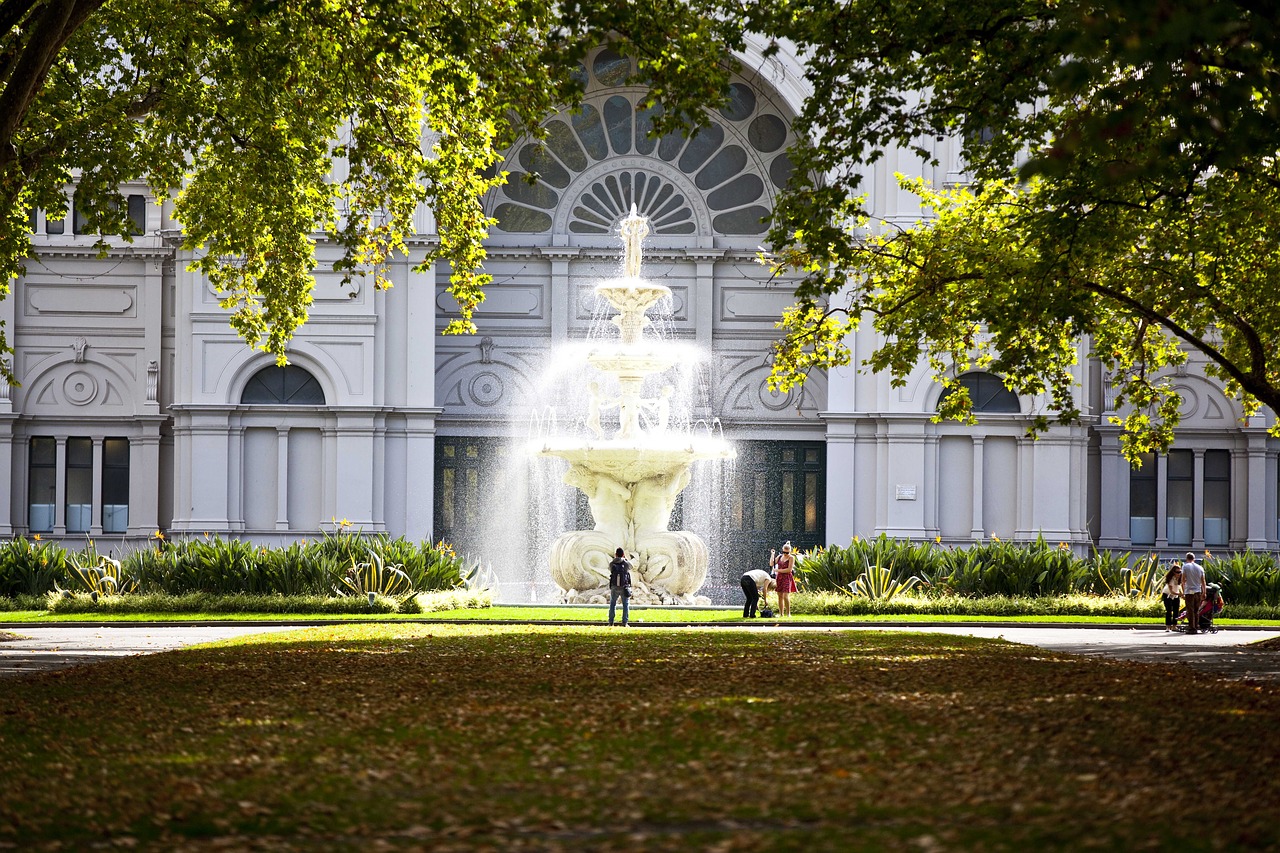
(784, 565)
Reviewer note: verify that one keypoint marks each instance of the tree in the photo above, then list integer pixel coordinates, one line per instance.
(1125, 193)
(241, 108)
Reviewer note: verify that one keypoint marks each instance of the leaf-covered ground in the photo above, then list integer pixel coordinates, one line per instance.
(514, 738)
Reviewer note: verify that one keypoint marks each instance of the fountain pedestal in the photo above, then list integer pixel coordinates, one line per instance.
(632, 479)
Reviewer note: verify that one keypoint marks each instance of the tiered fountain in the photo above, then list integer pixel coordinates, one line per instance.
(633, 477)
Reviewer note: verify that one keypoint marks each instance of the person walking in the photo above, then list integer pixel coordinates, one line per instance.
(1171, 595)
(1192, 592)
(784, 566)
(755, 586)
(619, 586)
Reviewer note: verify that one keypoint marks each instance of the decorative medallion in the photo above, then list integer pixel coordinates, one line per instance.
(80, 388)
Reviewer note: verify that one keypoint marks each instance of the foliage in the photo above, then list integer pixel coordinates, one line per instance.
(1144, 579)
(347, 731)
(30, 567)
(447, 600)
(877, 584)
(225, 566)
(375, 576)
(1120, 207)
(204, 602)
(105, 577)
(393, 104)
(1246, 578)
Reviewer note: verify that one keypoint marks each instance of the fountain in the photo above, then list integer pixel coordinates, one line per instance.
(632, 478)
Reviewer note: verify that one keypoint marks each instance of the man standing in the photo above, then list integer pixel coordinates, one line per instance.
(755, 586)
(1192, 592)
(619, 585)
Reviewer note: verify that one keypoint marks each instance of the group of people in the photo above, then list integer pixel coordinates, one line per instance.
(756, 583)
(1185, 586)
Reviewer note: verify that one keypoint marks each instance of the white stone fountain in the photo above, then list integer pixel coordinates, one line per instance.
(633, 477)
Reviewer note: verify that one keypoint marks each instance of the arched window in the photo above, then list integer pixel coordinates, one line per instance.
(283, 386)
(736, 162)
(988, 394)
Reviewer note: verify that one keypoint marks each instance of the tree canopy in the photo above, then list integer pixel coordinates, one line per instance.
(240, 109)
(1124, 191)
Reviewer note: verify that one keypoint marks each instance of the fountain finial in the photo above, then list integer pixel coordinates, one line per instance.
(633, 229)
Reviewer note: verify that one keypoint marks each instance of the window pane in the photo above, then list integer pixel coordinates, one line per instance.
(44, 451)
(79, 453)
(115, 453)
(1142, 502)
(810, 503)
(1181, 464)
(115, 474)
(1179, 503)
(1217, 465)
(788, 500)
(759, 519)
(79, 222)
(138, 213)
(42, 485)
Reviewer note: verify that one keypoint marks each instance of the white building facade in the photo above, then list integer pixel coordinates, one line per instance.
(140, 410)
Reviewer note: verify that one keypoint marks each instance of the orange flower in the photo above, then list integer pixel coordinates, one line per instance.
(35, 536)
(158, 535)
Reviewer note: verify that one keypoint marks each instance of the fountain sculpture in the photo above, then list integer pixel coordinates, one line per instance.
(632, 478)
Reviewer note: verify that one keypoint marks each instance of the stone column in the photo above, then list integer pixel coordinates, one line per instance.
(95, 523)
(60, 490)
(979, 524)
(561, 291)
(282, 478)
(1197, 500)
(144, 488)
(354, 474)
(1261, 487)
(1162, 499)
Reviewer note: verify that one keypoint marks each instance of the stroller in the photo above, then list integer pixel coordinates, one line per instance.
(1209, 608)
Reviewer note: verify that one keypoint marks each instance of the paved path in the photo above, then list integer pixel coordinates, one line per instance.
(46, 647)
(1227, 653)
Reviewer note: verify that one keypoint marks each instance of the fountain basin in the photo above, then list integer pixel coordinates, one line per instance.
(632, 461)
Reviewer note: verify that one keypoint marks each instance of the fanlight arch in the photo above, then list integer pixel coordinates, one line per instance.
(988, 394)
(736, 164)
(290, 385)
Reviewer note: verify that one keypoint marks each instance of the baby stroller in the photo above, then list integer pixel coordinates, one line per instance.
(1209, 608)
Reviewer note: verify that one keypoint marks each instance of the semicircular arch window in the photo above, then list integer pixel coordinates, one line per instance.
(737, 162)
(283, 386)
(988, 394)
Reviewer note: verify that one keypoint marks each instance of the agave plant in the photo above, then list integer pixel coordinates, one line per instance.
(877, 583)
(104, 578)
(377, 577)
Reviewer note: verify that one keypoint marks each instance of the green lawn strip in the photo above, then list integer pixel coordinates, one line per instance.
(496, 737)
(588, 615)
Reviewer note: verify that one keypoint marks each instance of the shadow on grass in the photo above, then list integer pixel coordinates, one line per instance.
(465, 737)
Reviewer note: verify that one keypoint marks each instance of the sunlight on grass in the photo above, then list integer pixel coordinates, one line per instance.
(482, 736)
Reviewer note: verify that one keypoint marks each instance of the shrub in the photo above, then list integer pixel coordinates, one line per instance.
(877, 583)
(376, 577)
(31, 567)
(202, 602)
(450, 599)
(106, 577)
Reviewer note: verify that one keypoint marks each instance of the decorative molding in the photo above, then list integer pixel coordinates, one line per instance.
(79, 345)
(153, 380)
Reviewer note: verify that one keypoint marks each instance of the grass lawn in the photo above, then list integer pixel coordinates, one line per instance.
(514, 738)
(500, 613)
